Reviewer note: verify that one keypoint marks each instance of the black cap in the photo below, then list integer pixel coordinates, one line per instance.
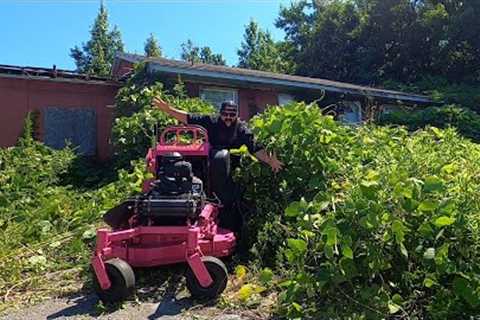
(228, 104)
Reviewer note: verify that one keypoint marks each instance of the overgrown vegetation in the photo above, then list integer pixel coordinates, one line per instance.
(367, 222)
(465, 121)
(48, 228)
(137, 123)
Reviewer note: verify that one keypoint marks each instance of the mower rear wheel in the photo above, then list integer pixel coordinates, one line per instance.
(217, 270)
(122, 279)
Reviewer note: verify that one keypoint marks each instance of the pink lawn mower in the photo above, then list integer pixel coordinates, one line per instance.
(172, 221)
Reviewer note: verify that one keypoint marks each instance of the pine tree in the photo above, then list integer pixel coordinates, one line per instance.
(152, 49)
(97, 55)
(196, 54)
(260, 52)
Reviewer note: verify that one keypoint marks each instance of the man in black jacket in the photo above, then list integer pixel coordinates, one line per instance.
(225, 131)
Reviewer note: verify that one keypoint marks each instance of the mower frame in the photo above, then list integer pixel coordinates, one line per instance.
(148, 246)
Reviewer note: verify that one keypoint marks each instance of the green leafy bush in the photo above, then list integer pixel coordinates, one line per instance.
(465, 121)
(368, 221)
(442, 90)
(48, 226)
(136, 121)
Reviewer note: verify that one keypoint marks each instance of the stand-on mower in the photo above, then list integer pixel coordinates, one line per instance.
(170, 222)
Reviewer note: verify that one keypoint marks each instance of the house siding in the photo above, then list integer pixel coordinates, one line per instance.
(20, 96)
(247, 98)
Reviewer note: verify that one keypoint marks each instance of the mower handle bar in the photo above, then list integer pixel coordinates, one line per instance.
(196, 130)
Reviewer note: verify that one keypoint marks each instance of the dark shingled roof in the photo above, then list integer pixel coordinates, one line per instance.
(52, 74)
(271, 78)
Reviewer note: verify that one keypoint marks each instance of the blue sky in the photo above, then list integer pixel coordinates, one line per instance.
(41, 32)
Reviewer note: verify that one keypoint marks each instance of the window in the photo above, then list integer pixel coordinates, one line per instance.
(216, 95)
(350, 111)
(284, 99)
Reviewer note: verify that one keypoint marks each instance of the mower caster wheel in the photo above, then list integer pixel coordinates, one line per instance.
(217, 270)
(122, 279)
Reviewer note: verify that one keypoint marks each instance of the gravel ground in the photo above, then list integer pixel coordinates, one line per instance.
(86, 307)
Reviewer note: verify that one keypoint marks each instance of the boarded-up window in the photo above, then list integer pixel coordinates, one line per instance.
(77, 126)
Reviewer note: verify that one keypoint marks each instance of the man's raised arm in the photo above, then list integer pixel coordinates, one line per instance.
(180, 115)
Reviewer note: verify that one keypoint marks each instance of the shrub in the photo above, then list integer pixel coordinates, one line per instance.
(367, 221)
(48, 226)
(137, 122)
(465, 121)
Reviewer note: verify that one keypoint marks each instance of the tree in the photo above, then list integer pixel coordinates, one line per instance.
(196, 54)
(151, 48)
(97, 55)
(322, 36)
(372, 41)
(260, 52)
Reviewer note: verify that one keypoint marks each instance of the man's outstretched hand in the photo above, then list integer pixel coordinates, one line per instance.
(275, 164)
(161, 104)
(270, 159)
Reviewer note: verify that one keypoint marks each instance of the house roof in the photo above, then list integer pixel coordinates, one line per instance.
(52, 74)
(207, 71)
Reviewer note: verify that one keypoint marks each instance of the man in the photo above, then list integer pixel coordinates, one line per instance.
(225, 131)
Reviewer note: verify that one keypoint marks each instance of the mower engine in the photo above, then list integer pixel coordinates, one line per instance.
(176, 193)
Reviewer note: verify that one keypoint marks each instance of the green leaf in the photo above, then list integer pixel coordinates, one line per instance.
(294, 209)
(399, 229)
(428, 206)
(433, 184)
(396, 298)
(266, 275)
(299, 246)
(331, 233)
(245, 292)
(403, 250)
(462, 289)
(240, 271)
(297, 307)
(428, 282)
(369, 189)
(438, 132)
(443, 221)
(429, 254)
(348, 267)
(449, 168)
(441, 256)
(426, 229)
(401, 190)
(347, 252)
(393, 307)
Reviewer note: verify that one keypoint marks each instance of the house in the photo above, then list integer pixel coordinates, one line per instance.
(253, 90)
(69, 106)
(79, 108)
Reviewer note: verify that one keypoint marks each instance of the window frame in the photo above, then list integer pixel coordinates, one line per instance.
(234, 92)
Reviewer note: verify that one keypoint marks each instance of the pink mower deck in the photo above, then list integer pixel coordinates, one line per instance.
(198, 242)
(155, 246)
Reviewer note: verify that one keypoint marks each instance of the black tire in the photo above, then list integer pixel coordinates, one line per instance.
(217, 270)
(122, 278)
(219, 169)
